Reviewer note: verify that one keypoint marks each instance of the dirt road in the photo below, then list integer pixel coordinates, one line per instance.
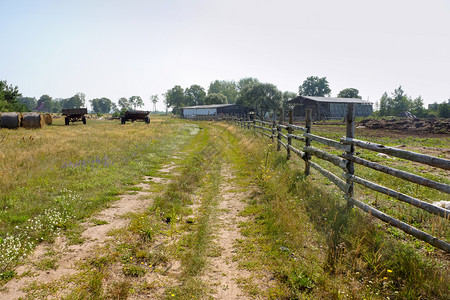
(63, 270)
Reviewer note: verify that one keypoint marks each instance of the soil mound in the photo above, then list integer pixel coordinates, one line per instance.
(441, 126)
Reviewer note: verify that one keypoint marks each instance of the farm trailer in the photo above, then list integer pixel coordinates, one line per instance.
(74, 115)
(134, 115)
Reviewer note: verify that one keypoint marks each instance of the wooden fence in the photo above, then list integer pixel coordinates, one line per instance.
(284, 134)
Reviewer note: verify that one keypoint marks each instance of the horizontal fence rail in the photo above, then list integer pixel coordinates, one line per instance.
(412, 156)
(284, 134)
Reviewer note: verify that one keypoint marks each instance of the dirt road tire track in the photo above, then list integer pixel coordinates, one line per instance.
(222, 271)
(69, 255)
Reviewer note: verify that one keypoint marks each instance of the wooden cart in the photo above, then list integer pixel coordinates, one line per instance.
(135, 115)
(74, 115)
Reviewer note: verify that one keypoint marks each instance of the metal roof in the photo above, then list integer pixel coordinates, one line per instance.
(209, 106)
(328, 99)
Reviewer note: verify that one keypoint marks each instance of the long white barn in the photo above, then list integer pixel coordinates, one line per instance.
(214, 110)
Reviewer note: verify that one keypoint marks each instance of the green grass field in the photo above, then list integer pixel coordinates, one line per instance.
(300, 231)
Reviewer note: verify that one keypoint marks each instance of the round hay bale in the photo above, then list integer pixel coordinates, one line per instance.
(48, 119)
(33, 120)
(10, 120)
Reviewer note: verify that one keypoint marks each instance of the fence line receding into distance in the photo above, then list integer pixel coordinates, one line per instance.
(284, 134)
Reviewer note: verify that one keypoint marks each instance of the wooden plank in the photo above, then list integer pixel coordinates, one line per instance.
(413, 156)
(341, 184)
(283, 144)
(296, 151)
(307, 156)
(283, 135)
(350, 134)
(290, 131)
(279, 136)
(400, 174)
(295, 127)
(282, 126)
(263, 128)
(402, 197)
(297, 137)
(267, 123)
(334, 159)
(402, 226)
(263, 133)
(328, 142)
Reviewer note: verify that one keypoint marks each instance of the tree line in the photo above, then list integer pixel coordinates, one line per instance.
(264, 97)
(12, 100)
(250, 92)
(399, 102)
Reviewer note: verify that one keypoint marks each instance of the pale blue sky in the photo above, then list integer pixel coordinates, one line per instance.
(114, 49)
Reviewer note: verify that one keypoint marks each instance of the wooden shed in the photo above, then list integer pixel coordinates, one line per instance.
(214, 110)
(328, 108)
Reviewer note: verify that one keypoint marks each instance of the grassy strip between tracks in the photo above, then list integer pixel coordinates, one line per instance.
(176, 228)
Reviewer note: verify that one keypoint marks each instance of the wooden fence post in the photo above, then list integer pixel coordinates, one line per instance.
(274, 125)
(290, 130)
(280, 122)
(350, 134)
(307, 156)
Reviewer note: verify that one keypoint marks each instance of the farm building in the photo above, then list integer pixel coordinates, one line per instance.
(326, 108)
(214, 110)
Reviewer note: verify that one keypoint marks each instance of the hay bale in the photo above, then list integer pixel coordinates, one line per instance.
(10, 120)
(33, 120)
(48, 119)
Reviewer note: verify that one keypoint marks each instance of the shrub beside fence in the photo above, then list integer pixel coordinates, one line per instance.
(286, 133)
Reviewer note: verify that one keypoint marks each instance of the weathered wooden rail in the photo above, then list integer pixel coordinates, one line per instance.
(284, 134)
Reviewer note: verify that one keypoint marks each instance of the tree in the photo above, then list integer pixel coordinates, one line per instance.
(29, 102)
(136, 101)
(45, 104)
(349, 93)
(8, 97)
(444, 109)
(215, 98)
(227, 88)
(154, 100)
(243, 82)
(76, 101)
(101, 105)
(262, 97)
(194, 95)
(433, 107)
(114, 107)
(124, 104)
(286, 97)
(314, 86)
(384, 105)
(175, 99)
(400, 102)
(56, 105)
(417, 107)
